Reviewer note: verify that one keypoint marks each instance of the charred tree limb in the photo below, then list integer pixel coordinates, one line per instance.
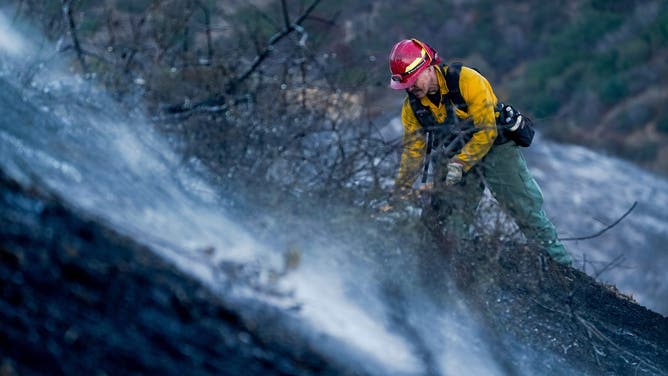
(207, 23)
(67, 12)
(594, 332)
(611, 265)
(290, 27)
(219, 99)
(286, 16)
(605, 229)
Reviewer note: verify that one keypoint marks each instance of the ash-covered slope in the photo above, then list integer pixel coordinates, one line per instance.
(118, 257)
(531, 304)
(78, 298)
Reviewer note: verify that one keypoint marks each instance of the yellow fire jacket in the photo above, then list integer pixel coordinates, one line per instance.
(478, 94)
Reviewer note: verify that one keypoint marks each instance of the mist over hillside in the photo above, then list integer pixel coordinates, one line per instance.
(165, 206)
(590, 72)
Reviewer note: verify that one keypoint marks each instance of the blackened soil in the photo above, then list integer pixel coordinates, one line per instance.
(77, 298)
(528, 303)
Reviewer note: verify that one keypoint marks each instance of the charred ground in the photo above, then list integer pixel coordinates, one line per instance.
(529, 302)
(78, 297)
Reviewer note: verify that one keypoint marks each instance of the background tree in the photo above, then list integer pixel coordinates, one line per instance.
(261, 90)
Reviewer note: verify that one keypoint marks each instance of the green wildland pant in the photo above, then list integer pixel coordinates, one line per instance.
(506, 174)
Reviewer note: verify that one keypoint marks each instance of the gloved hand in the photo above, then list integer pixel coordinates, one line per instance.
(516, 125)
(455, 171)
(509, 115)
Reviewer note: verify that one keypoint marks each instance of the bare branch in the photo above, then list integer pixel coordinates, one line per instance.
(611, 265)
(605, 229)
(67, 12)
(218, 100)
(286, 17)
(207, 31)
(270, 45)
(594, 332)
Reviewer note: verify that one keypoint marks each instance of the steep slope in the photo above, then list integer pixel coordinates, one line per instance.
(117, 255)
(537, 305)
(78, 297)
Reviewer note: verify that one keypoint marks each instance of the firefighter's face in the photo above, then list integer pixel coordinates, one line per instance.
(426, 83)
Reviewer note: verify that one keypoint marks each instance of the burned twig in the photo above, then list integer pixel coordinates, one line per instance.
(611, 265)
(594, 332)
(207, 23)
(289, 28)
(263, 54)
(605, 229)
(67, 12)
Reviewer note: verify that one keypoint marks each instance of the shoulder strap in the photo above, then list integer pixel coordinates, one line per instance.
(428, 123)
(452, 80)
(422, 113)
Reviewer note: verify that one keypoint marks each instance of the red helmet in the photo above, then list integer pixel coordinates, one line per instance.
(408, 59)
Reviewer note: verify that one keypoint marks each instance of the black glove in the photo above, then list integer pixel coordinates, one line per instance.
(516, 127)
(509, 116)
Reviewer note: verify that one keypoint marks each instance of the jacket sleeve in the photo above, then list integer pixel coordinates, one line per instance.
(480, 98)
(413, 148)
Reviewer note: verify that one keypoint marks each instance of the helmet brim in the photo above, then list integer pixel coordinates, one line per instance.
(410, 80)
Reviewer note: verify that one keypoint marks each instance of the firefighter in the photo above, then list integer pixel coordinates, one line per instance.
(467, 148)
